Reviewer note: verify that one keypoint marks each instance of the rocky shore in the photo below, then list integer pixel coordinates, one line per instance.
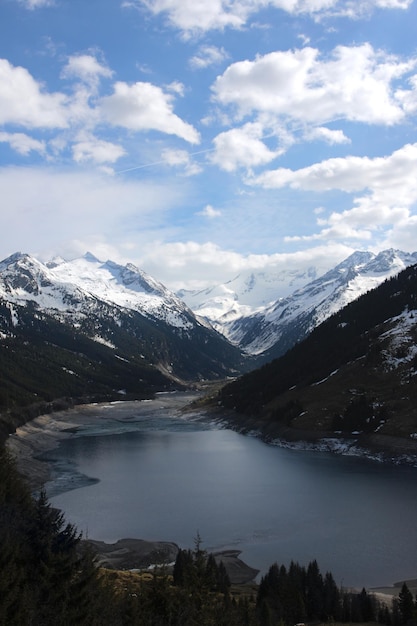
(137, 554)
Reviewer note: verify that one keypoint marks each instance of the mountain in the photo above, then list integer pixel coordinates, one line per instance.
(354, 376)
(248, 292)
(98, 330)
(273, 329)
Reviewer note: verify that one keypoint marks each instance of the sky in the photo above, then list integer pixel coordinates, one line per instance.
(199, 139)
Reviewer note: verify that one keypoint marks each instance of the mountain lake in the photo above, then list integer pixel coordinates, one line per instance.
(143, 470)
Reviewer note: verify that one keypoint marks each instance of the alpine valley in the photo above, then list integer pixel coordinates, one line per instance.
(85, 330)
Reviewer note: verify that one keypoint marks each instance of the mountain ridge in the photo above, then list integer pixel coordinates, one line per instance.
(272, 330)
(60, 340)
(350, 384)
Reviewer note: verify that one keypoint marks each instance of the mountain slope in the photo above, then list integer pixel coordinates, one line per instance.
(88, 329)
(46, 364)
(355, 373)
(273, 330)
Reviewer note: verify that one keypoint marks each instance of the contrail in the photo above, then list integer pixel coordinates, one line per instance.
(139, 167)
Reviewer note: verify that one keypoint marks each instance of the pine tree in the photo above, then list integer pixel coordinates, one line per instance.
(406, 605)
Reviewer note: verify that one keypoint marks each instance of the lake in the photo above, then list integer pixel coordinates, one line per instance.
(142, 470)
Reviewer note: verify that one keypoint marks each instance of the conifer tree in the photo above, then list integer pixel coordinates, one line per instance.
(406, 604)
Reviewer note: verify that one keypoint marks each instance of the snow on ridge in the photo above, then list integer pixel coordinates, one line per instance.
(103, 341)
(310, 304)
(401, 349)
(66, 286)
(126, 287)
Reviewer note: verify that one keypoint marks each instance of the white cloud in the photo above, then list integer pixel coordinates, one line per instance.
(144, 106)
(49, 208)
(355, 83)
(403, 235)
(390, 183)
(140, 107)
(90, 148)
(87, 68)
(210, 212)
(23, 100)
(176, 87)
(181, 158)
(325, 134)
(392, 177)
(72, 212)
(37, 4)
(241, 147)
(195, 265)
(198, 16)
(22, 143)
(207, 56)
(355, 9)
(194, 16)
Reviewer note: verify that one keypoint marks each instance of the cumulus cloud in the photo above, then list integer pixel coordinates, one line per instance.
(87, 68)
(389, 185)
(355, 83)
(22, 143)
(90, 148)
(24, 102)
(207, 56)
(322, 133)
(65, 122)
(241, 147)
(144, 106)
(392, 176)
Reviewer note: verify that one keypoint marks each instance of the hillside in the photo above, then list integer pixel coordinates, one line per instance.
(353, 377)
(87, 330)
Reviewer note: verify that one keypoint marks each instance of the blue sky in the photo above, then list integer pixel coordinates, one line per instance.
(201, 139)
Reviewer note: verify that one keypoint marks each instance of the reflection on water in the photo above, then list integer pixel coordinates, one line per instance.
(158, 476)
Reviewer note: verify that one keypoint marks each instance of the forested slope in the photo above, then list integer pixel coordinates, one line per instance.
(355, 372)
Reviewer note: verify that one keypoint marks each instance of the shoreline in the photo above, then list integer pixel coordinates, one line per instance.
(45, 432)
(139, 555)
(372, 446)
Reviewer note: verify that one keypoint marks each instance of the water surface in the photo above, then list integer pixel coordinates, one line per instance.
(157, 476)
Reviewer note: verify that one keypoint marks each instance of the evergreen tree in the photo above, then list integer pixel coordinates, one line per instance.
(314, 592)
(406, 605)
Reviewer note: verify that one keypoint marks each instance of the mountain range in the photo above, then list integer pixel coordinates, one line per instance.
(248, 314)
(87, 330)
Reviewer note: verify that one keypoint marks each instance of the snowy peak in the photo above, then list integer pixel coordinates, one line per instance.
(79, 285)
(277, 327)
(119, 307)
(23, 278)
(247, 293)
(106, 278)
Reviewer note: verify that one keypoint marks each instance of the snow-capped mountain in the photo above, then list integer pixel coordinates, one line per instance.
(247, 293)
(68, 285)
(99, 297)
(275, 328)
(350, 385)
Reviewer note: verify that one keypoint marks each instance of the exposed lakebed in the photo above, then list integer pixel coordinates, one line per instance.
(145, 470)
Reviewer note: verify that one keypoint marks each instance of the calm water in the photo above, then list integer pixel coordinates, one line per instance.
(153, 475)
